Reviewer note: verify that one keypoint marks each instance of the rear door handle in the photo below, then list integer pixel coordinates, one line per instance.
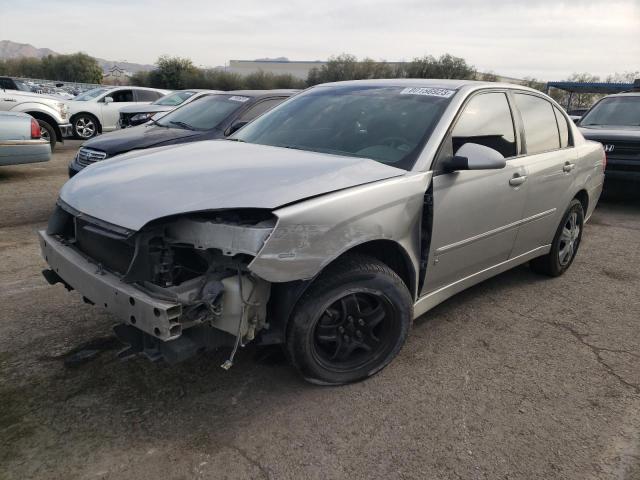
(568, 166)
(517, 180)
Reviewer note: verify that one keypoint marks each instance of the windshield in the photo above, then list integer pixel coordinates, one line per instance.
(614, 111)
(204, 113)
(386, 124)
(174, 99)
(23, 87)
(91, 94)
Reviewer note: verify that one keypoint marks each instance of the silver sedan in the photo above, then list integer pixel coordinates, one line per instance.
(329, 223)
(20, 140)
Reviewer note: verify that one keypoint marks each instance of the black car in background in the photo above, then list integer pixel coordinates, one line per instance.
(142, 112)
(212, 116)
(615, 122)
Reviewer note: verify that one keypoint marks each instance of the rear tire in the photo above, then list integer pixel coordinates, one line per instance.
(565, 243)
(48, 133)
(351, 322)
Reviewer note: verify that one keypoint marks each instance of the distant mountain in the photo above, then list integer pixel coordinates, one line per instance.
(130, 67)
(9, 49)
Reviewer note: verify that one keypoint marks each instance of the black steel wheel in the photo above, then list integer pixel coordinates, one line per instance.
(351, 322)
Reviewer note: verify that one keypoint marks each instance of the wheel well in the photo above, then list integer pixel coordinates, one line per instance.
(98, 124)
(285, 296)
(583, 196)
(391, 254)
(50, 120)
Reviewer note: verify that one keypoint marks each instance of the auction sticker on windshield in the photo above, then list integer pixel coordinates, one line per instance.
(432, 92)
(237, 98)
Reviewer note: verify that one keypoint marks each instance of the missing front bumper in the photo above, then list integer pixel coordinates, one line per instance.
(130, 304)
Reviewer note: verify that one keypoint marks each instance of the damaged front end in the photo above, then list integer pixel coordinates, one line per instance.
(180, 285)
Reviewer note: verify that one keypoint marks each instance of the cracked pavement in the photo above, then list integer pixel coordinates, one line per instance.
(520, 377)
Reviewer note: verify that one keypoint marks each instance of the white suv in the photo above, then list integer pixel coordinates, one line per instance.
(98, 110)
(52, 113)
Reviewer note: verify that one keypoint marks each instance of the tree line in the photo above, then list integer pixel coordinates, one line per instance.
(178, 73)
(77, 67)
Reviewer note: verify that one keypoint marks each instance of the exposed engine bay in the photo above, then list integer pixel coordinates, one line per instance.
(191, 272)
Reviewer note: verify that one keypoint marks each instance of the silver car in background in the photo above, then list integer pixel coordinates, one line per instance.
(329, 223)
(20, 140)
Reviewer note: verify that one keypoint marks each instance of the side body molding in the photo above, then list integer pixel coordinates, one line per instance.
(311, 234)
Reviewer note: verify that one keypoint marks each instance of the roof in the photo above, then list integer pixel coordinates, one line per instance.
(626, 94)
(427, 82)
(259, 93)
(591, 87)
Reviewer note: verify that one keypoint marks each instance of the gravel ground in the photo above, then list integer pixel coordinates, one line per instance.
(520, 377)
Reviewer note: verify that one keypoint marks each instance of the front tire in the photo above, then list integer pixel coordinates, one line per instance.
(47, 133)
(565, 243)
(351, 322)
(85, 126)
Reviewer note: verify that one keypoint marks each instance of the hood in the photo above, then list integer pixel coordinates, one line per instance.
(140, 137)
(147, 108)
(611, 133)
(134, 189)
(40, 96)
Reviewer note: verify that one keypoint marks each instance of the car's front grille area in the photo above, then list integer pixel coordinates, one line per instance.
(105, 248)
(622, 156)
(87, 156)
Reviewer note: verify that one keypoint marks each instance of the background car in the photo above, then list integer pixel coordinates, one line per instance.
(52, 113)
(212, 116)
(98, 110)
(615, 122)
(140, 113)
(20, 140)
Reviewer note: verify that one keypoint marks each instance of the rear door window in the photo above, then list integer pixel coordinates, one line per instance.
(259, 108)
(147, 95)
(539, 121)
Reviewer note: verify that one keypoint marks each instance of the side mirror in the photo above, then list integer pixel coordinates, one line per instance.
(473, 156)
(108, 99)
(235, 126)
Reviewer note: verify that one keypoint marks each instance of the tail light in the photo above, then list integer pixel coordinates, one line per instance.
(35, 129)
(604, 162)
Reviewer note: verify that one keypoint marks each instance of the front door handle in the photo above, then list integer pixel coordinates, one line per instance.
(517, 180)
(568, 166)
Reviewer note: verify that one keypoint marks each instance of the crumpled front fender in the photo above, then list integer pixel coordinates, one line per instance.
(311, 234)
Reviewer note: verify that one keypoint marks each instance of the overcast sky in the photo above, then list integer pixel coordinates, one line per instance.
(547, 39)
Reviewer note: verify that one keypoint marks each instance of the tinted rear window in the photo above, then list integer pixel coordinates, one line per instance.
(540, 127)
(204, 113)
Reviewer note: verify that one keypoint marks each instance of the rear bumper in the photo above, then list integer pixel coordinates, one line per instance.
(16, 152)
(130, 304)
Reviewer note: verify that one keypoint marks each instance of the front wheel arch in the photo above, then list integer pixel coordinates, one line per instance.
(285, 296)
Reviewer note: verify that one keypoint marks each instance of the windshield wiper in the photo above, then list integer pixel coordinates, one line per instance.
(182, 125)
(236, 140)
